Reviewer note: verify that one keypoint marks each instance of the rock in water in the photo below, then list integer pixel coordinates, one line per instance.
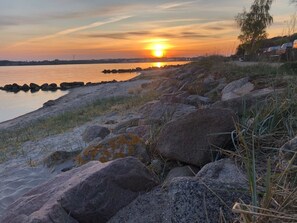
(92, 193)
(113, 148)
(44, 87)
(190, 139)
(69, 85)
(34, 87)
(25, 87)
(95, 131)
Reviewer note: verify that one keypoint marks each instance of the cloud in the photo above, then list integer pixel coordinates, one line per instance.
(17, 20)
(174, 5)
(147, 34)
(76, 29)
(120, 35)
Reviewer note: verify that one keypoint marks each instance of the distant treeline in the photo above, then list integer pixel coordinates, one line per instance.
(61, 62)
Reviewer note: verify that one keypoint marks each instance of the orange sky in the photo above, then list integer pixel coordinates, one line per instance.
(68, 29)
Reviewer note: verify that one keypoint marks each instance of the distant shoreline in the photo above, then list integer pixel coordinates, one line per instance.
(101, 61)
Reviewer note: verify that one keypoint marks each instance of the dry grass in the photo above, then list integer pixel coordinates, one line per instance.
(12, 140)
(272, 173)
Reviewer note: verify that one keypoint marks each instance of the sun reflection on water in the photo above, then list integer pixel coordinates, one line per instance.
(158, 64)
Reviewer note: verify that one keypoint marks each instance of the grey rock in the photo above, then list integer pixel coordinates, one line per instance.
(157, 110)
(121, 127)
(92, 193)
(95, 131)
(95, 141)
(225, 171)
(235, 85)
(61, 160)
(237, 89)
(143, 131)
(184, 171)
(184, 200)
(243, 104)
(176, 97)
(190, 138)
(197, 100)
(49, 103)
(156, 166)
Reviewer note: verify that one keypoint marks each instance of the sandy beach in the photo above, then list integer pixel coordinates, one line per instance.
(20, 174)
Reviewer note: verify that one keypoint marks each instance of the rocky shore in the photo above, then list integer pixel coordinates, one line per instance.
(180, 155)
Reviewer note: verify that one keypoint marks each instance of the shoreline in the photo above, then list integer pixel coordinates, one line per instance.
(5, 63)
(73, 99)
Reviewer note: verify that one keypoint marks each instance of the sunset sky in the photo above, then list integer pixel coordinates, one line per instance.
(50, 29)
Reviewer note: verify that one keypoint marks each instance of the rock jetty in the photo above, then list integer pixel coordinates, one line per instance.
(33, 87)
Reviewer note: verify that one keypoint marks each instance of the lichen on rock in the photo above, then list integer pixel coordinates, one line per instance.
(113, 148)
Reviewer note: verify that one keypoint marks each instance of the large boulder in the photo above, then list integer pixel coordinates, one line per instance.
(191, 139)
(163, 111)
(241, 105)
(237, 89)
(184, 200)
(119, 146)
(93, 132)
(92, 193)
(225, 171)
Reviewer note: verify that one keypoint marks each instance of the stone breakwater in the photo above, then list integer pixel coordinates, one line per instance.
(138, 69)
(33, 87)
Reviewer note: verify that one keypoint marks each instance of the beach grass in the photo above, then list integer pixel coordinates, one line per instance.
(262, 131)
(11, 140)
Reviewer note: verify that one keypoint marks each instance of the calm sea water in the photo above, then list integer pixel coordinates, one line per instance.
(13, 105)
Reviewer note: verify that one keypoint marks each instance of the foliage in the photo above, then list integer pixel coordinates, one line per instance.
(253, 24)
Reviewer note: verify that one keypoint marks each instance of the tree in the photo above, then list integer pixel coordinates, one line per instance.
(253, 24)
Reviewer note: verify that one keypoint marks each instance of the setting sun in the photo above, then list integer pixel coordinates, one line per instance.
(158, 47)
(158, 50)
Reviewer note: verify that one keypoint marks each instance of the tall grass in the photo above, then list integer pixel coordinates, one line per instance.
(272, 174)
